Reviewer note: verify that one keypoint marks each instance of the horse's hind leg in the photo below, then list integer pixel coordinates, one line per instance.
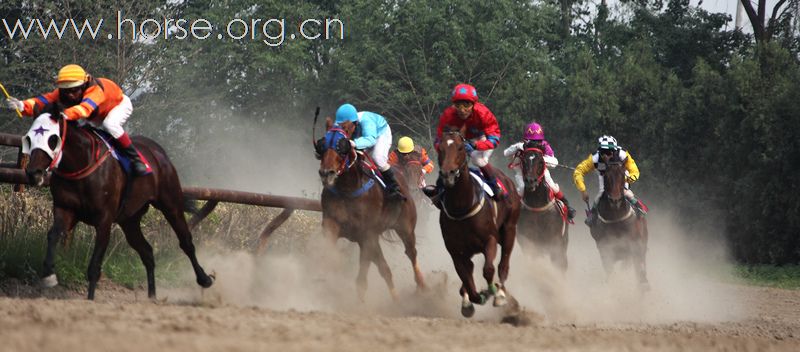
(508, 234)
(409, 239)
(364, 260)
(102, 235)
(383, 266)
(63, 222)
(135, 238)
(175, 218)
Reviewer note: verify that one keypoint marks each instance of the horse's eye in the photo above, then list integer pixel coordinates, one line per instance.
(52, 142)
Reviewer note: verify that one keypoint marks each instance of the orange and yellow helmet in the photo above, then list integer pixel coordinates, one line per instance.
(71, 76)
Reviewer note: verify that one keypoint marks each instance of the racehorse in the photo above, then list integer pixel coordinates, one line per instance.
(620, 234)
(87, 187)
(473, 223)
(543, 221)
(354, 207)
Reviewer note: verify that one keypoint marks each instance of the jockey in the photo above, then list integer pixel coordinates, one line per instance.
(534, 134)
(403, 154)
(98, 100)
(482, 134)
(608, 150)
(372, 132)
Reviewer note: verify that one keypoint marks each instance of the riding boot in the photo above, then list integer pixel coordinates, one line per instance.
(435, 193)
(591, 217)
(491, 180)
(570, 210)
(126, 147)
(392, 188)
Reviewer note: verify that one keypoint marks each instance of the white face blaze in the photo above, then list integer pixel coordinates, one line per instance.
(39, 135)
(449, 141)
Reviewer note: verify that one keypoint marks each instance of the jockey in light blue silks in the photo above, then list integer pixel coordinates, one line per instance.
(372, 132)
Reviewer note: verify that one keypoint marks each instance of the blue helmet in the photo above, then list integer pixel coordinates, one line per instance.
(346, 112)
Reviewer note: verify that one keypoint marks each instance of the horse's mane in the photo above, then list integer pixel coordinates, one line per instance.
(615, 173)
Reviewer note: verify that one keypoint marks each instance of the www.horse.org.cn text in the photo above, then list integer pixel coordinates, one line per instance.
(270, 31)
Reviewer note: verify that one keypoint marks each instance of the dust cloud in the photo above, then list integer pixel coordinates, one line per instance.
(688, 271)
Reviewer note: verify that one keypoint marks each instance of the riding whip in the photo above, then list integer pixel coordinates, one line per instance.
(314, 128)
(9, 97)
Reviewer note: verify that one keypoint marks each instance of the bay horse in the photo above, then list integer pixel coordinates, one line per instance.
(543, 219)
(87, 187)
(411, 168)
(355, 207)
(621, 235)
(473, 223)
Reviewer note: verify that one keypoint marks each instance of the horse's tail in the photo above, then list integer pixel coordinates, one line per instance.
(191, 206)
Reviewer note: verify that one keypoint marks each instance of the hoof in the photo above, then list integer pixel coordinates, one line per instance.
(207, 281)
(50, 281)
(644, 287)
(468, 311)
(500, 299)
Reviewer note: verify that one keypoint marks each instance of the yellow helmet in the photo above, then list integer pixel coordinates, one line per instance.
(71, 76)
(405, 145)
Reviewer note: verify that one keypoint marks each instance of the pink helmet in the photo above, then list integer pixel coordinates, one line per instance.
(533, 132)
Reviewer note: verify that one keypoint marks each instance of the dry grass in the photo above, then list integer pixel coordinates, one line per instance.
(26, 217)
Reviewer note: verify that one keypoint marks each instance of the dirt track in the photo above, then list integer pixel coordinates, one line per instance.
(283, 302)
(120, 322)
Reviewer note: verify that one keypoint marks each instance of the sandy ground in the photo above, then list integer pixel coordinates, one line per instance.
(290, 302)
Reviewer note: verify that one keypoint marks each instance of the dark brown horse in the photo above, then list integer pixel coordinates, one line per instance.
(86, 186)
(543, 222)
(354, 207)
(621, 236)
(473, 223)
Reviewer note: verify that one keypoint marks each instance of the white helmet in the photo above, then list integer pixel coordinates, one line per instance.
(607, 142)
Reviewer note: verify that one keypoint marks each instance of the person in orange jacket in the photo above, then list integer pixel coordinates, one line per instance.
(407, 151)
(98, 100)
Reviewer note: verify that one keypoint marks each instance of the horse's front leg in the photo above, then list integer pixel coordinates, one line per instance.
(102, 235)
(464, 266)
(63, 222)
(489, 253)
(509, 234)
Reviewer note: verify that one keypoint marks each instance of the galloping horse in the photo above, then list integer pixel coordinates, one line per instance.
(87, 187)
(411, 168)
(619, 233)
(543, 222)
(473, 223)
(354, 207)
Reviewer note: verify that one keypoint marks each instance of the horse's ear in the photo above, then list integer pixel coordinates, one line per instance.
(328, 123)
(463, 130)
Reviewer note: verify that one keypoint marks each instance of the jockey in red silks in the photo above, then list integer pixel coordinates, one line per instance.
(98, 100)
(534, 135)
(482, 134)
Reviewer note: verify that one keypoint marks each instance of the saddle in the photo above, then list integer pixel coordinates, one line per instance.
(478, 176)
(124, 161)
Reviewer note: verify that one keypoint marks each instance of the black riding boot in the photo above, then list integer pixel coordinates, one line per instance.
(392, 188)
(435, 193)
(570, 210)
(591, 217)
(137, 166)
(491, 180)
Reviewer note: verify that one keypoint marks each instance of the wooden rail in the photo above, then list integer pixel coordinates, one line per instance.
(14, 174)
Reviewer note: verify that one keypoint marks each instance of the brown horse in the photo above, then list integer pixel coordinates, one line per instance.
(411, 168)
(619, 233)
(473, 223)
(543, 222)
(354, 207)
(88, 187)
